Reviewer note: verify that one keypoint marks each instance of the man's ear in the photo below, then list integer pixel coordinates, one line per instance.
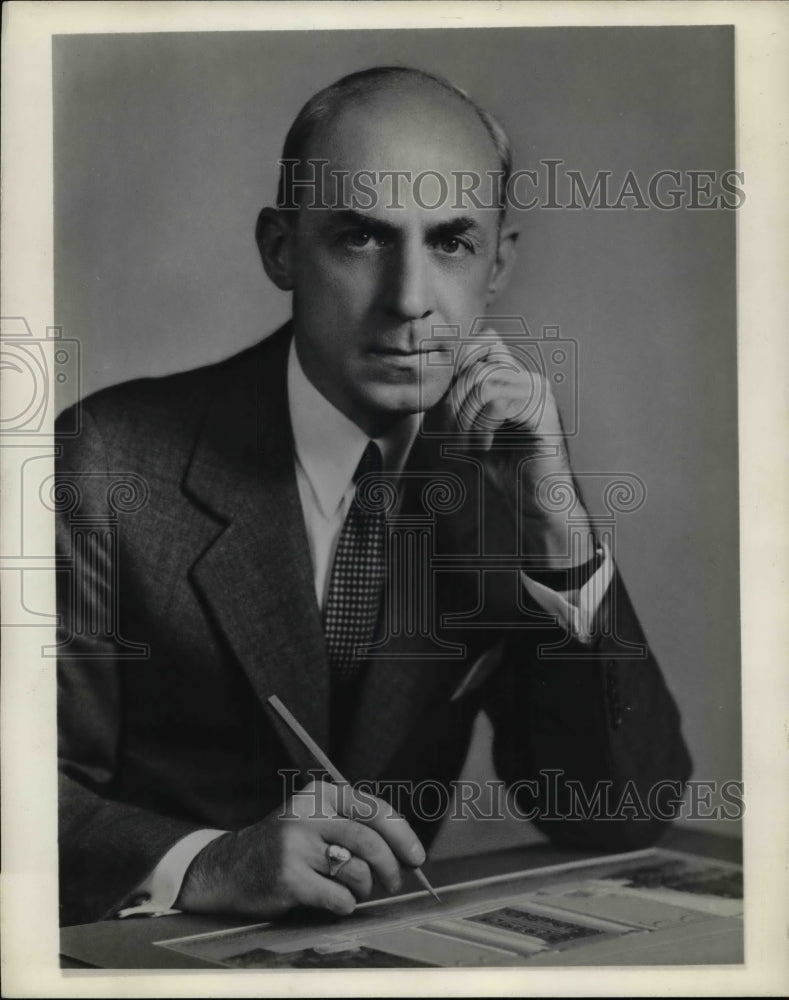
(274, 236)
(506, 255)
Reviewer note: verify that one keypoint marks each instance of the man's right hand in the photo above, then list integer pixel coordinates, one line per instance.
(280, 863)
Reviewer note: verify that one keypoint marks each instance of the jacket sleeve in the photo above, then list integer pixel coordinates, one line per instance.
(106, 847)
(588, 735)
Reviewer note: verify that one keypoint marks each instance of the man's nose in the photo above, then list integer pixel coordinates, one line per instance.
(408, 292)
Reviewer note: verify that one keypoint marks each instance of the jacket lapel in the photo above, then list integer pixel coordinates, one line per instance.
(256, 576)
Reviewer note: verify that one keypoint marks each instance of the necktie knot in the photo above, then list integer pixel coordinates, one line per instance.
(371, 462)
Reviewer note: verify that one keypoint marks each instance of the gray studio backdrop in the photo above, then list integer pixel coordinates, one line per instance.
(165, 150)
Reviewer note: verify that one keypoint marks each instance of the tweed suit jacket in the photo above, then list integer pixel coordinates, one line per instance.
(194, 604)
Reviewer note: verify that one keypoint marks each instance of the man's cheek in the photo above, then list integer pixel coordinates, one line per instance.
(434, 384)
(466, 305)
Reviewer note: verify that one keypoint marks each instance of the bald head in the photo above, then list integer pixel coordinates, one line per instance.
(383, 111)
(374, 271)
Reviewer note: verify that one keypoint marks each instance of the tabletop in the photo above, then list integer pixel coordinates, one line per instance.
(130, 944)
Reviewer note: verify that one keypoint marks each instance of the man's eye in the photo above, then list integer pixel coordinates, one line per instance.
(453, 245)
(358, 239)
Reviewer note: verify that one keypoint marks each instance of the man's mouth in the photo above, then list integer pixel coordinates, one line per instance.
(407, 352)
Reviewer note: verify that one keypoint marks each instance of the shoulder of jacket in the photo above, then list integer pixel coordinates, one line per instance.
(153, 423)
(155, 403)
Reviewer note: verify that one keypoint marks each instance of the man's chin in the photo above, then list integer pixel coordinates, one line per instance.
(403, 401)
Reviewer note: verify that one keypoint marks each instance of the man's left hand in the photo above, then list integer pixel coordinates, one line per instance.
(495, 392)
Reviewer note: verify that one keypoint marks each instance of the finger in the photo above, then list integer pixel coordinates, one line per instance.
(387, 822)
(490, 403)
(357, 877)
(325, 893)
(355, 872)
(486, 347)
(464, 401)
(487, 333)
(471, 401)
(470, 355)
(486, 357)
(367, 844)
(317, 800)
(476, 347)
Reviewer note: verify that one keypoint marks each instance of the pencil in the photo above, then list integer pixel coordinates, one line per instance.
(298, 730)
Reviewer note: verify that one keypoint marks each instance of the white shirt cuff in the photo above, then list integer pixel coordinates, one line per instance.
(155, 896)
(578, 617)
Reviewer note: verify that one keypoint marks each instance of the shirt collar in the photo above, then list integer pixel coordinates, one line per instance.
(329, 445)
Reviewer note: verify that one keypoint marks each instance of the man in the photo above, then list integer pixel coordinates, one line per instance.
(256, 565)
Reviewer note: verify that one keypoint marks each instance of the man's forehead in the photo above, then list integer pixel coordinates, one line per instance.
(405, 129)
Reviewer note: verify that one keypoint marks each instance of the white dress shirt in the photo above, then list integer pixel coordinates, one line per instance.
(328, 449)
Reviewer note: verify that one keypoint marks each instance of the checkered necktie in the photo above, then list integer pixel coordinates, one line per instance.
(357, 577)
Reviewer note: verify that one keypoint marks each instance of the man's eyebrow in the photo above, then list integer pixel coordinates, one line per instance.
(449, 227)
(348, 217)
(455, 227)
